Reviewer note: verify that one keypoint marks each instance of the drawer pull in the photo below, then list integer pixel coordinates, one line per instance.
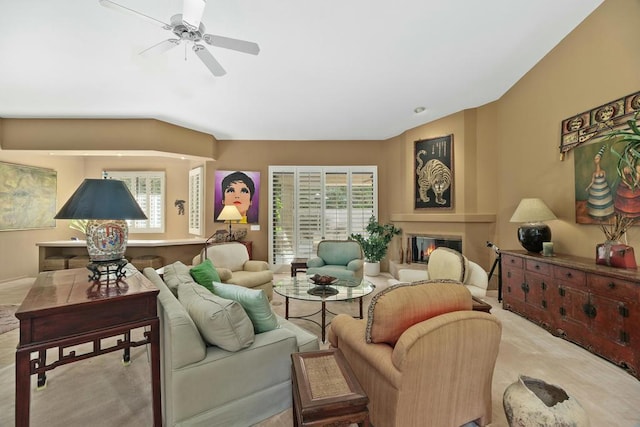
(508, 274)
(569, 275)
(589, 310)
(561, 291)
(543, 286)
(624, 337)
(537, 267)
(611, 285)
(544, 304)
(525, 287)
(563, 311)
(623, 311)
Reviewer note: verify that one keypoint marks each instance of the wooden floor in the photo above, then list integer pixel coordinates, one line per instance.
(610, 395)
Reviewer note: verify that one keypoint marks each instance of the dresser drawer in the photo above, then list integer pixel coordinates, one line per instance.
(511, 261)
(614, 288)
(538, 267)
(570, 276)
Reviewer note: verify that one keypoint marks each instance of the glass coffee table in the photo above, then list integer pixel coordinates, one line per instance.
(301, 288)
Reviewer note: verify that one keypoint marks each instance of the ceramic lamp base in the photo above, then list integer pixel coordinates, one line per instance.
(532, 235)
(106, 239)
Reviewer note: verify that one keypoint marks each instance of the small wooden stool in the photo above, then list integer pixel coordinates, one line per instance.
(56, 262)
(325, 391)
(144, 261)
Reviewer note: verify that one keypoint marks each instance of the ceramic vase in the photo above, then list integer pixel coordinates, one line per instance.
(531, 402)
(371, 268)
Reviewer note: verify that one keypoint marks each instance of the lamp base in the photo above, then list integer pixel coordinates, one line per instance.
(532, 235)
(99, 269)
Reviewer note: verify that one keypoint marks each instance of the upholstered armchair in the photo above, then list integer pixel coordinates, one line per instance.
(449, 264)
(338, 258)
(233, 265)
(423, 356)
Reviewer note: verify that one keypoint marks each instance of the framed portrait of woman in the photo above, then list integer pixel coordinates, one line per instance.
(240, 189)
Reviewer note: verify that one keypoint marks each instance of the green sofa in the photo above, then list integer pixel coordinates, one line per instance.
(204, 385)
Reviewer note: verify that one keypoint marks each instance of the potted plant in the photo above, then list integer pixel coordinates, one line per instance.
(375, 245)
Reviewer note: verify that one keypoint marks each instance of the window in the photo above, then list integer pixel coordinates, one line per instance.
(309, 204)
(148, 190)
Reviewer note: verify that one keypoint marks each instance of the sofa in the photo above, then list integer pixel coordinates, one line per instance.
(338, 258)
(423, 356)
(234, 266)
(205, 385)
(447, 263)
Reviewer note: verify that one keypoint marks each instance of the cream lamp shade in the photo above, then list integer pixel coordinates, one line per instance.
(229, 214)
(531, 212)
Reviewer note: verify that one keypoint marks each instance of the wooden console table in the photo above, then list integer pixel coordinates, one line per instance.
(594, 306)
(64, 309)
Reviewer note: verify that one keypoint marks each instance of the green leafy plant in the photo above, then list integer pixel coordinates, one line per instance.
(626, 147)
(79, 224)
(379, 236)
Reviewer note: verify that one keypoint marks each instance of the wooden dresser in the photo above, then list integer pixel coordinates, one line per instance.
(594, 306)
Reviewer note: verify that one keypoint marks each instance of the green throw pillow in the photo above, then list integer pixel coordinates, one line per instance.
(254, 302)
(205, 274)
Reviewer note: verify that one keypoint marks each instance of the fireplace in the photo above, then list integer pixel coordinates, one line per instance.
(422, 246)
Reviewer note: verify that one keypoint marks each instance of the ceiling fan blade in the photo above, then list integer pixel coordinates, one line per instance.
(234, 44)
(212, 64)
(115, 6)
(192, 13)
(161, 47)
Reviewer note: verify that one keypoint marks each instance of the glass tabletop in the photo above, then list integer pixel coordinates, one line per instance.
(303, 289)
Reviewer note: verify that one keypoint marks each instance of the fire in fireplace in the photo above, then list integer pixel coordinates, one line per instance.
(422, 246)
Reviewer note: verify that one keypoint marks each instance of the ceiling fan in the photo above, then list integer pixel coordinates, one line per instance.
(188, 28)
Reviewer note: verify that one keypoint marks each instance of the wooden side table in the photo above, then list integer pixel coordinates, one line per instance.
(325, 391)
(298, 264)
(64, 309)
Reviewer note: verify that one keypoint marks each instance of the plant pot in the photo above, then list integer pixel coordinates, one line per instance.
(533, 402)
(371, 268)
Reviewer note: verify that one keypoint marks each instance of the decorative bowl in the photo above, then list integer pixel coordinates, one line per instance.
(322, 280)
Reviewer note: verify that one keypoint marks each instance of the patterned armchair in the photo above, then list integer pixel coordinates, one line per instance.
(422, 356)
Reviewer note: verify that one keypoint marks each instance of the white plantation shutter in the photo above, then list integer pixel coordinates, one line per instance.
(148, 190)
(196, 194)
(310, 204)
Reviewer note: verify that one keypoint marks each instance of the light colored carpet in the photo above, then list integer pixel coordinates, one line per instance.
(100, 391)
(7, 319)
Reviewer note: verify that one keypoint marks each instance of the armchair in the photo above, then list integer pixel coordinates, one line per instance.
(232, 262)
(422, 356)
(449, 264)
(338, 258)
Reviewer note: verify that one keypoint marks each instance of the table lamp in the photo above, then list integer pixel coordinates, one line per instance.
(531, 234)
(229, 214)
(106, 203)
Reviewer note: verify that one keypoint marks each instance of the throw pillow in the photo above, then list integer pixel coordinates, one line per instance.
(205, 274)
(255, 303)
(396, 308)
(175, 274)
(221, 322)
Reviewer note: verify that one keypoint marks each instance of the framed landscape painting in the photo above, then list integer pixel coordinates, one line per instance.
(27, 197)
(433, 160)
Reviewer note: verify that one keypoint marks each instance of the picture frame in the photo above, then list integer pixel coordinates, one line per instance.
(433, 173)
(241, 182)
(27, 197)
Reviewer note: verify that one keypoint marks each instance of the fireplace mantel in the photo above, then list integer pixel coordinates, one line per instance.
(445, 217)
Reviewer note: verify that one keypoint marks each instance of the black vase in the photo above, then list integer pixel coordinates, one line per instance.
(532, 235)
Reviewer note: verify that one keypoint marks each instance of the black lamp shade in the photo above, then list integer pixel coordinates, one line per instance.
(532, 235)
(101, 199)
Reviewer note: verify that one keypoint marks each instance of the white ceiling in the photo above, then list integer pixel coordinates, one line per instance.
(327, 70)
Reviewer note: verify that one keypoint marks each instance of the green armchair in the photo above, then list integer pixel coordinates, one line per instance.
(338, 258)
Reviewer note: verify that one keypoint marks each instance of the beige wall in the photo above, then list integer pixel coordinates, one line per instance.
(595, 64)
(504, 151)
